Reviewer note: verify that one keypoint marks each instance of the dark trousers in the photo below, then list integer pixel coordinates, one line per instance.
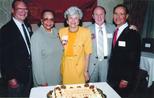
(3, 88)
(20, 91)
(23, 90)
(123, 92)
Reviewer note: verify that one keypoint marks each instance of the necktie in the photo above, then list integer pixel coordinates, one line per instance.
(26, 36)
(115, 37)
(100, 43)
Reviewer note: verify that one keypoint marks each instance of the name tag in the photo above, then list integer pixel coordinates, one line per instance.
(64, 39)
(147, 45)
(122, 43)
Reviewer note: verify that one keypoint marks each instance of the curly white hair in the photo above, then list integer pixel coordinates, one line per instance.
(73, 10)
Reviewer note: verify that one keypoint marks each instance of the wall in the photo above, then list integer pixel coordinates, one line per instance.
(5, 8)
(109, 5)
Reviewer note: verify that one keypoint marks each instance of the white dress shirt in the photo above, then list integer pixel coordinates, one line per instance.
(105, 45)
(19, 25)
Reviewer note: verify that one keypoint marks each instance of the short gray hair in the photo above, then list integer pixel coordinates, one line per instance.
(73, 10)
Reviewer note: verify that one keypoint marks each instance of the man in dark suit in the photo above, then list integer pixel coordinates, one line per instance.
(15, 51)
(125, 54)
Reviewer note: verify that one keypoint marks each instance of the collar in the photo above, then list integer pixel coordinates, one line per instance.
(97, 26)
(17, 21)
(121, 28)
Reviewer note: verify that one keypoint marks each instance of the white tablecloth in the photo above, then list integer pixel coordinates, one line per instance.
(41, 92)
(147, 63)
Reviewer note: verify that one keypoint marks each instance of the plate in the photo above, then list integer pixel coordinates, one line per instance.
(49, 95)
(101, 92)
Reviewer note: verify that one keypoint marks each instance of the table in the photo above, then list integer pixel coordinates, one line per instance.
(147, 64)
(41, 92)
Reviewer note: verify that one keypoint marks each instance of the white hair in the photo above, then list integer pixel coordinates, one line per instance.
(73, 10)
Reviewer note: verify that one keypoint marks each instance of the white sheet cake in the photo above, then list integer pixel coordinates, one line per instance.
(75, 91)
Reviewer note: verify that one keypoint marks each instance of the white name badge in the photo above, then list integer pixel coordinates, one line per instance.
(64, 39)
(109, 35)
(122, 43)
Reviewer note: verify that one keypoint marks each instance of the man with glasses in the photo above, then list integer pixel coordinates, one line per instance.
(16, 55)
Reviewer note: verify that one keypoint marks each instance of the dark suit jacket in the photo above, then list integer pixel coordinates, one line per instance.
(15, 59)
(125, 57)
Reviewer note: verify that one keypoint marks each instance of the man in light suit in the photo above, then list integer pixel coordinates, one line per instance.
(15, 52)
(125, 55)
(98, 65)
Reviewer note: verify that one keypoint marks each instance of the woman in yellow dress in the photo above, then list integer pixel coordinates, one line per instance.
(77, 48)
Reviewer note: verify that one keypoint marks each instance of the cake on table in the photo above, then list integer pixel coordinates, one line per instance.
(75, 91)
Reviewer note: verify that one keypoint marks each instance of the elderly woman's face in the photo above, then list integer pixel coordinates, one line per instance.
(48, 21)
(73, 21)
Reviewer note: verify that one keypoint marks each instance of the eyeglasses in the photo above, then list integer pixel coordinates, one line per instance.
(21, 9)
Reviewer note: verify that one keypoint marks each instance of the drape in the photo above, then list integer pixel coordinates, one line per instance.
(59, 6)
(137, 10)
(148, 29)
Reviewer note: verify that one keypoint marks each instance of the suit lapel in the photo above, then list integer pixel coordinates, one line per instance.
(94, 39)
(29, 29)
(16, 31)
(17, 34)
(109, 40)
(122, 35)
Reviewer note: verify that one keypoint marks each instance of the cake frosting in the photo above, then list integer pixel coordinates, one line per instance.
(75, 91)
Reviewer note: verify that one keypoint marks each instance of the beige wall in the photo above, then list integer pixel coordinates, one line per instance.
(109, 5)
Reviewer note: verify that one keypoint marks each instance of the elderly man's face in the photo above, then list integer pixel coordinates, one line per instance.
(20, 11)
(99, 16)
(73, 21)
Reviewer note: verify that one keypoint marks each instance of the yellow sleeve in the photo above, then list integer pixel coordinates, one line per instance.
(88, 43)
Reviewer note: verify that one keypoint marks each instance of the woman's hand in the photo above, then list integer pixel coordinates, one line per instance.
(86, 74)
(44, 84)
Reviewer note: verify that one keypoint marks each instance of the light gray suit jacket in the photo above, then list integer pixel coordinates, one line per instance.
(97, 70)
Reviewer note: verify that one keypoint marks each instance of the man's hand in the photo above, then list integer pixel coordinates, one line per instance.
(123, 84)
(13, 83)
(133, 27)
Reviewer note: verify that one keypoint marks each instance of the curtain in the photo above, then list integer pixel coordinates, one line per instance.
(137, 10)
(148, 29)
(59, 6)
